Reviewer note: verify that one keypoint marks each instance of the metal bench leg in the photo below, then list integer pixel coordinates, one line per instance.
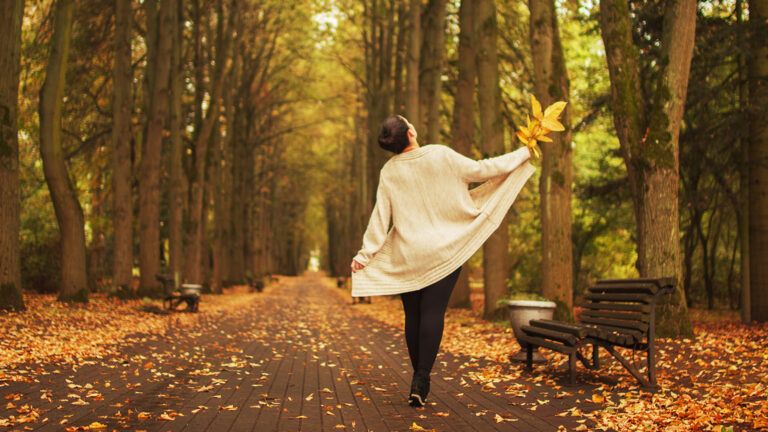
(529, 357)
(651, 365)
(595, 357)
(629, 367)
(572, 368)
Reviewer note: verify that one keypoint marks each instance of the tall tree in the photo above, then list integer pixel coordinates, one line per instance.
(178, 190)
(758, 159)
(431, 69)
(551, 85)
(121, 153)
(192, 271)
(495, 253)
(11, 12)
(149, 182)
(463, 125)
(412, 61)
(69, 213)
(647, 108)
(743, 214)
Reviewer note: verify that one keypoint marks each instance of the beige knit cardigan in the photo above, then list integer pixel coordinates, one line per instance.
(438, 223)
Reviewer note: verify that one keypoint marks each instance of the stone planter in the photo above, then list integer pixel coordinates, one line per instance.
(520, 313)
(191, 289)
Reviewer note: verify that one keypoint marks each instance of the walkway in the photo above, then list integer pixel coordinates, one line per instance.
(298, 358)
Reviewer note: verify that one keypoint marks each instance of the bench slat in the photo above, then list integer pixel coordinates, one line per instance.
(649, 289)
(632, 325)
(618, 307)
(547, 344)
(661, 283)
(616, 338)
(630, 316)
(634, 298)
(565, 338)
(575, 330)
(632, 335)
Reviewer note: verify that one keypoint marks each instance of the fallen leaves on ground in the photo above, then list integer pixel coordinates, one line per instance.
(50, 331)
(717, 380)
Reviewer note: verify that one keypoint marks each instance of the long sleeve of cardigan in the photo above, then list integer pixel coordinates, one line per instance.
(480, 170)
(378, 225)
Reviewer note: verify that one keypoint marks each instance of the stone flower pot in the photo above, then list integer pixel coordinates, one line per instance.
(521, 312)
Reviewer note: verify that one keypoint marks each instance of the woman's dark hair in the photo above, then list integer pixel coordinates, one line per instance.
(394, 134)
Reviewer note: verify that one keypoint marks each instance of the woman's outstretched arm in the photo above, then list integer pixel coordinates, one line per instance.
(378, 227)
(480, 170)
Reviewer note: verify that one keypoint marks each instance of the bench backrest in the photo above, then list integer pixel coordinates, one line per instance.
(625, 306)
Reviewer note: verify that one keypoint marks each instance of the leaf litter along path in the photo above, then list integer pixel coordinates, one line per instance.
(295, 357)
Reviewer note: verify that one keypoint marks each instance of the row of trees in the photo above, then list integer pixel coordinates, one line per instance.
(649, 48)
(171, 113)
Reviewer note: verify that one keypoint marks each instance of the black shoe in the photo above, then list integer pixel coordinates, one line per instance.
(419, 390)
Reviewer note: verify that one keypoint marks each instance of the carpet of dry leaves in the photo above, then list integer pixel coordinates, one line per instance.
(717, 381)
(53, 332)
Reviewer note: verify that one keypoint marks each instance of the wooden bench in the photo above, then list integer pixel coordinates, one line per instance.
(617, 312)
(188, 293)
(255, 284)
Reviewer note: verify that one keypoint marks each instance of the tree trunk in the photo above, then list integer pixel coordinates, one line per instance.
(495, 253)
(463, 126)
(196, 221)
(11, 13)
(412, 63)
(69, 214)
(178, 186)
(149, 183)
(401, 50)
(551, 85)
(743, 213)
(431, 68)
(758, 160)
(122, 265)
(648, 131)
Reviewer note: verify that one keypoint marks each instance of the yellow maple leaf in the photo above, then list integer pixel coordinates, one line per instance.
(536, 129)
(536, 108)
(553, 111)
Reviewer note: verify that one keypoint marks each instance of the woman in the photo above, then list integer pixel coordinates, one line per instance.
(437, 224)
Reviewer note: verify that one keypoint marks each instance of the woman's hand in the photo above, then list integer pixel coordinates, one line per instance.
(356, 266)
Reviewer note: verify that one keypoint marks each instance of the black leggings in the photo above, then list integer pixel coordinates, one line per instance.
(424, 316)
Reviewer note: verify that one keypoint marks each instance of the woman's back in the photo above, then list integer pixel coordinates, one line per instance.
(430, 202)
(437, 222)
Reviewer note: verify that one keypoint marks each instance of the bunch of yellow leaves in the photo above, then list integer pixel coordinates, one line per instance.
(536, 129)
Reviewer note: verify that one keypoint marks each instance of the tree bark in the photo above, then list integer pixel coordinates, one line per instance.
(401, 50)
(648, 130)
(431, 68)
(11, 13)
(69, 214)
(551, 85)
(495, 253)
(122, 264)
(196, 221)
(463, 125)
(178, 186)
(412, 63)
(149, 183)
(758, 160)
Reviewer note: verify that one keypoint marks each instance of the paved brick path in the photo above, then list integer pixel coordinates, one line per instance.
(298, 358)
